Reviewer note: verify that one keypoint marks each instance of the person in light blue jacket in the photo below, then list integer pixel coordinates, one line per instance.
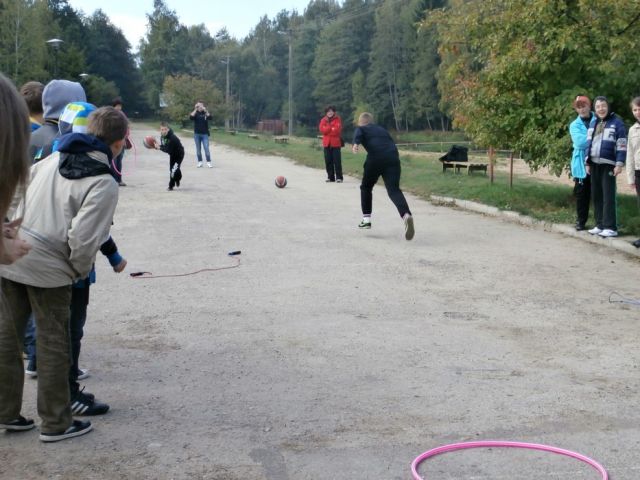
(582, 181)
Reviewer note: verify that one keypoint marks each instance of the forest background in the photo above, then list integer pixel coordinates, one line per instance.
(504, 72)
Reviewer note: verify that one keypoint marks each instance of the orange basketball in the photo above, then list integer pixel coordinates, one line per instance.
(281, 181)
(149, 142)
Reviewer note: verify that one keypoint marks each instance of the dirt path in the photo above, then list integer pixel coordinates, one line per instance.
(333, 353)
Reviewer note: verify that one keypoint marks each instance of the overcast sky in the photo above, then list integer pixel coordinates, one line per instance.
(239, 16)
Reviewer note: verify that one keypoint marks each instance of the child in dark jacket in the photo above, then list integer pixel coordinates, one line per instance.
(170, 143)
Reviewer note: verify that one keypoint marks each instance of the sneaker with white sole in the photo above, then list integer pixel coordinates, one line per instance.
(77, 428)
(199, 164)
(608, 233)
(20, 424)
(83, 373)
(364, 225)
(86, 404)
(31, 370)
(409, 230)
(595, 231)
(209, 165)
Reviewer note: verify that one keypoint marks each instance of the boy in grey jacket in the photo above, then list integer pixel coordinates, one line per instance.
(68, 211)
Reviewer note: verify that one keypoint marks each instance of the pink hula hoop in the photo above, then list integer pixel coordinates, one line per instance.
(502, 444)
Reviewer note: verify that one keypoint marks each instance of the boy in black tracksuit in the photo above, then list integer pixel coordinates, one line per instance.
(382, 160)
(170, 143)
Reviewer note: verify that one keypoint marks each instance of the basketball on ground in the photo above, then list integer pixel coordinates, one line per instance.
(281, 181)
(149, 141)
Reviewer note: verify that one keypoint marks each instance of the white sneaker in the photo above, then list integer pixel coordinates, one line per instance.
(209, 165)
(199, 164)
(608, 233)
(595, 231)
(409, 230)
(83, 373)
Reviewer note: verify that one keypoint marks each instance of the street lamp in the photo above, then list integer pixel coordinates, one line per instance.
(226, 99)
(55, 44)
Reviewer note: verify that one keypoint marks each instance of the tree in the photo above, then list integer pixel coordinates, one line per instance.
(181, 92)
(108, 55)
(343, 49)
(513, 86)
(161, 53)
(99, 90)
(23, 49)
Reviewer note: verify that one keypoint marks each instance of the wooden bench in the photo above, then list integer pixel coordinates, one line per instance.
(254, 136)
(231, 132)
(281, 139)
(470, 166)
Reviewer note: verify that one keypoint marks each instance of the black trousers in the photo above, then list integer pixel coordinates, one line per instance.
(603, 193)
(175, 175)
(77, 319)
(582, 192)
(390, 171)
(333, 163)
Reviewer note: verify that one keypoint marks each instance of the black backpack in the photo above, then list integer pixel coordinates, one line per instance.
(456, 154)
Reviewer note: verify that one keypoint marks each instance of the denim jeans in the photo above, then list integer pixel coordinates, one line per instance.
(202, 139)
(50, 307)
(30, 338)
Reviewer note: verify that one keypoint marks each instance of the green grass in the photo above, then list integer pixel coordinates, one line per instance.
(422, 175)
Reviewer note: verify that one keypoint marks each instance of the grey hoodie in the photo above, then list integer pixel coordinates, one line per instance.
(57, 94)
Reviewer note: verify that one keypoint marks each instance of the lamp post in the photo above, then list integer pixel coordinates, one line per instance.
(55, 43)
(226, 99)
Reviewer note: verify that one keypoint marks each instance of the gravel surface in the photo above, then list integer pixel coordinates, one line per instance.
(332, 353)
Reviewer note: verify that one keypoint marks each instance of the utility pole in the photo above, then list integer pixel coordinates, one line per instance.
(290, 82)
(226, 99)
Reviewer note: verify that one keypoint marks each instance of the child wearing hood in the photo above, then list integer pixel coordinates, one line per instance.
(65, 235)
(74, 119)
(171, 144)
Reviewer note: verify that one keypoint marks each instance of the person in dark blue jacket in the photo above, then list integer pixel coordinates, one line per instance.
(606, 155)
(382, 160)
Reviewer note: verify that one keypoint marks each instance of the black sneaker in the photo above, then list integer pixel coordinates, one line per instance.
(76, 429)
(85, 404)
(636, 243)
(18, 425)
(580, 227)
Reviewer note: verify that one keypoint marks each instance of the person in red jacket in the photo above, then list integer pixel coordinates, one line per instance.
(331, 129)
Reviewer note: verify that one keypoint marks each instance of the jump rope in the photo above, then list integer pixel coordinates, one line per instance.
(144, 275)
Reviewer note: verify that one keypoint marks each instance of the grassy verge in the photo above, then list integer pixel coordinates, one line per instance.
(422, 175)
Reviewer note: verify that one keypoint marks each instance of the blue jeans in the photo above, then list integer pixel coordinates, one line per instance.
(202, 139)
(30, 338)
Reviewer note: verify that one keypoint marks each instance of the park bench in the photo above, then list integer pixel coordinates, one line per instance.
(457, 158)
(254, 136)
(281, 139)
(231, 132)
(470, 166)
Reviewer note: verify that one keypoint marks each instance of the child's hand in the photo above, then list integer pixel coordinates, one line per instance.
(120, 267)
